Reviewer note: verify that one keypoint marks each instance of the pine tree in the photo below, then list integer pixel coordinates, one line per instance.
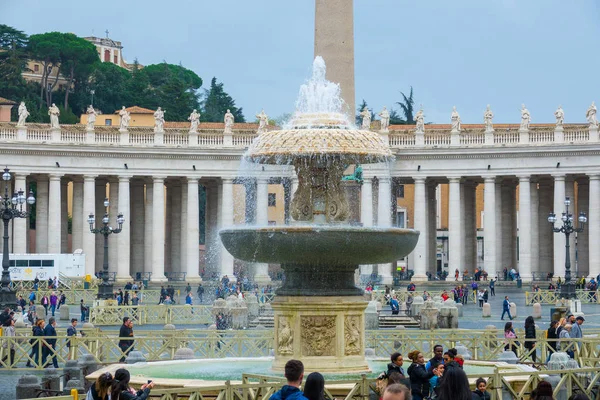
(216, 102)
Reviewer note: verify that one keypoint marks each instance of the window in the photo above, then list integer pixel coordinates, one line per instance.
(116, 58)
(401, 219)
(400, 191)
(106, 55)
(272, 199)
(36, 68)
(108, 122)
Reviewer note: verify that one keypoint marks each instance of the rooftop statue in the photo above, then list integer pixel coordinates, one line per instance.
(263, 121)
(54, 112)
(560, 116)
(455, 120)
(194, 119)
(590, 115)
(420, 120)
(488, 119)
(125, 118)
(385, 119)
(91, 117)
(159, 120)
(525, 118)
(23, 114)
(366, 118)
(229, 119)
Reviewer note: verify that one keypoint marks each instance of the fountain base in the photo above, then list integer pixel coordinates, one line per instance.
(326, 333)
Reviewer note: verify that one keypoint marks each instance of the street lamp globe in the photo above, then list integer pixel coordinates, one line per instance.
(31, 198)
(6, 175)
(105, 219)
(106, 202)
(552, 218)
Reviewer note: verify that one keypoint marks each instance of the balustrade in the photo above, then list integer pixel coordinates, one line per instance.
(552, 296)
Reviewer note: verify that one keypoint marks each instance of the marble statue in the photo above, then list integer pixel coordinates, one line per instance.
(385, 119)
(420, 120)
(229, 119)
(125, 118)
(590, 116)
(366, 118)
(23, 114)
(194, 119)
(159, 120)
(263, 121)
(286, 337)
(91, 117)
(54, 112)
(455, 120)
(560, 116)
(488, 118)
(525, 118)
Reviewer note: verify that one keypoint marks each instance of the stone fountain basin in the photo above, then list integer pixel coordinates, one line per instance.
(319, 245)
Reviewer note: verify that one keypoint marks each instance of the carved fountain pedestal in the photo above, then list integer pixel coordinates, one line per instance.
(326, 333)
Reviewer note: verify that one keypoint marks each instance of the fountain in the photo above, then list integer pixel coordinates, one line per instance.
(319, 312)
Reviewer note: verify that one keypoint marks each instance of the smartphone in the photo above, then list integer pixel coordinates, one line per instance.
(149, 381)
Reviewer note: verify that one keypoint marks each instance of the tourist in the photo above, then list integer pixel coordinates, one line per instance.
(455, 386)
(543, 391)
(84, 311)
(411, 287)
(100, 390)
(49, 348)
(437, 359)
(450, 359)
(9, 346)
(314, 387)
(565, 340)
(394, 305)
(188, 288)
(474, 288)
(396, 391)
(31, 314)
(445, 295)
(419, 376)
(62, 299)
(21, 304)
(551, 336)
(126, 298)
(45, 302)
(506, 308)
(5, 315)
(465, 294)
(71, 333)
(530, 334)
(188, 299)
(576, 332)
(35, 341)
(480, 389)
(120, 389)
(396, 364)
(409, 302)
(456, 274)
(32, 296)
(200, 292)
(493, 287)
(434, 382)
(53, 302)
(480, 297)
(510, 336)
(126, 338)
(294, 373)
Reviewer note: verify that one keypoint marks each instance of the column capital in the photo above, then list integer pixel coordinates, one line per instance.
(89, 177)
(264, 181)
(489, 179)
(193, 179)
(158, 179)
(55, 176)
(384, 179)
(125, 178)
(454, 179)
(594, 176)
(21, 175)
(229, 181)
(559, 177)
(368, 181)
(524, 178)
(420, 180)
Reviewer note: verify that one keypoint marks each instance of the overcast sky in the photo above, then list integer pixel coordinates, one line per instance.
(466, 53)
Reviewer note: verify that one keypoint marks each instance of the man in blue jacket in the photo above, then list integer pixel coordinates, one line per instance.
(294, 373)
(49, 348)
(506, 308)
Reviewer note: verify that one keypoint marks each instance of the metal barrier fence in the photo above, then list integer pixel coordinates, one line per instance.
(74, 296)
(484, 345)
(500, 385)
(552, 296)
(152, 314)
(379, 295)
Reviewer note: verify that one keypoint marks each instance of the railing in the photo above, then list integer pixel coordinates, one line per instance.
(541, 136)
(8, 133)
(107, 137)
(472, 139)
(152, 314)
(379, 295)
(576, 135)
(243, 140)
(506, 138)
(552, 296)
(141, 138)
(437, 138)
(210, 140)
(402, 140)
(176, 139)
(74, 296)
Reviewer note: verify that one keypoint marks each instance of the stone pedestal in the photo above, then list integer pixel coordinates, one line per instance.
(64, 313)
(513, 310)
(252, 304)
(325, 332)
(372, 316)
(28, 387)
(537, 311)
(417, 305)
(429, 316)
(486, 310)
(448, 315)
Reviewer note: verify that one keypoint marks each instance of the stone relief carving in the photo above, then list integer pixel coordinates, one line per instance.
(285, 336)
(318, 335)
(352, 335)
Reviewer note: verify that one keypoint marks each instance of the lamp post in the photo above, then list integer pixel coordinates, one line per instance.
(567, 290)
(10, 208)
(105, 289)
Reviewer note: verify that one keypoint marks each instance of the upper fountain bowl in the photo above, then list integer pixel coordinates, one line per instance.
(314, 135)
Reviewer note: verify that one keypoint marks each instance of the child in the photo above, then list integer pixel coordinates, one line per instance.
(481, 385)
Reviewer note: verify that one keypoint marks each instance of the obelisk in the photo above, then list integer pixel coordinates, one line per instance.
(334, 41)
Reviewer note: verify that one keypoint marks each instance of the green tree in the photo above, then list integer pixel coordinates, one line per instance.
(13, 62)
(78, 56)
(111, 85)
(216, 102)
(46, 48)
(407, 106)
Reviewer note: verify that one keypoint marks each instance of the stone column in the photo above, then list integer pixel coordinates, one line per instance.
(193, 232)
(583, 243)
(137, 218)
(54, 214)
(489, 226)
(261, 274)
(366, 202)
(430, 212)
(546, 236)
(100, 211)
(88, 239)
(499, 223)
(148, 227)
(64, 212)
(226, 217)
(384, 218)
(213, 243)
(470, 224)
(41, 216)
(20, 224)
(593, 225)
(420, 224)
(525, 228)
(173, 225)
(113, 211)
(123, 238)
(78, 215)
(559, 238)
(183, 227)
(158, 229)
(535, 234)
(509, 227)
(455, 244)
